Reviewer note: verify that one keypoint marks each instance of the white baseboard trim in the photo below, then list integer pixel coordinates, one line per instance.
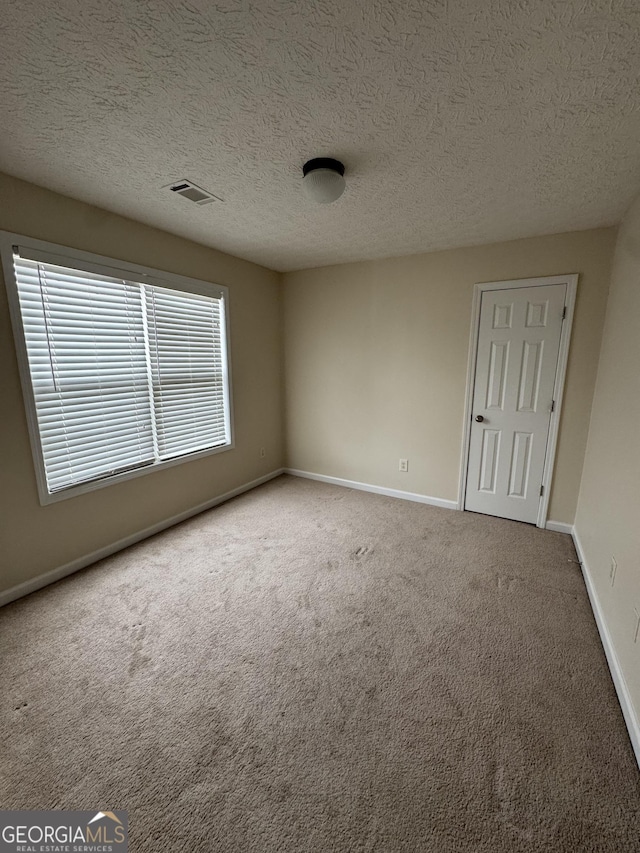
(560, 527)
(377, 490)
(54, 575)
(624, 697)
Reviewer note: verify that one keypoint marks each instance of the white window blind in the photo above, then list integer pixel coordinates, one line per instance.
(124, 374)
(187, 370)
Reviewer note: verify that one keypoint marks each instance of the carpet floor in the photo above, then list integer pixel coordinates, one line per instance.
(308, 668)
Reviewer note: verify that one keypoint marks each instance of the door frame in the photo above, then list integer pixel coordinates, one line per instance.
(571, 281)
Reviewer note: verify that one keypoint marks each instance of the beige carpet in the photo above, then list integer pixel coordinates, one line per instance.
(309, 668)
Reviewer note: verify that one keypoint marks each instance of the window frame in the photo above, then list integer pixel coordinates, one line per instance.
(102, 265)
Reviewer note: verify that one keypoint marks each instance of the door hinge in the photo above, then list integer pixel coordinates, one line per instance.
(564, 313)
(553, 405)
(541, 491)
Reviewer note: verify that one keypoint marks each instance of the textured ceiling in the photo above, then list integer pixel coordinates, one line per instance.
(459, 122)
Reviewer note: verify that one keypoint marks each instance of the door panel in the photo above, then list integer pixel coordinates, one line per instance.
(489, 460)
(531, 365)
(520, 464)
(498, 361)
(517, 359)
(502, 316)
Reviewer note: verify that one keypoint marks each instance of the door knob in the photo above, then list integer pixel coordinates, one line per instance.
(479, 418)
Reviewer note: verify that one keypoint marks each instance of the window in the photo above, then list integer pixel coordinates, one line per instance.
(123, 368)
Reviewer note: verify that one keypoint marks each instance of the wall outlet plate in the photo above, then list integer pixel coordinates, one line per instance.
(613, 570)
(404, 465)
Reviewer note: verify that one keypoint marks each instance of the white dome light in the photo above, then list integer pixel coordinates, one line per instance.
(323, 179)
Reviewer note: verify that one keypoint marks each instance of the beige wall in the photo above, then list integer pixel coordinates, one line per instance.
(36, 539)
(376, 360)
(608, 516)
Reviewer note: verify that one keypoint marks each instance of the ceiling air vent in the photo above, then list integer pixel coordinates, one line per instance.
(192, 192)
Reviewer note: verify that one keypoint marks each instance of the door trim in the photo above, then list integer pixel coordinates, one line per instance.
(571, 281)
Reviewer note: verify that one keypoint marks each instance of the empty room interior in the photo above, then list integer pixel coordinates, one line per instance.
(320, 369)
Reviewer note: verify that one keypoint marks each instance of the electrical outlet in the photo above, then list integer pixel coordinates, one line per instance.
(613, 570)
(404, 465)
(636, 632)
(263, 453)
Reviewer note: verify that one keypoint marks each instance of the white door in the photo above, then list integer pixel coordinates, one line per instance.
(517, 359)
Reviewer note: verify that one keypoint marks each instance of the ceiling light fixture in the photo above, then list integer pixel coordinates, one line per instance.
(323, 179)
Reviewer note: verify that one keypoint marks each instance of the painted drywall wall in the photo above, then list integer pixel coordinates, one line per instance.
(608, 515)
(37, 539)
(376, 361)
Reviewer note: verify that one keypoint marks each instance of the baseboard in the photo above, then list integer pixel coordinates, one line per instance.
(376, 490)
(624, 697)
(559, 527)
(54, 575)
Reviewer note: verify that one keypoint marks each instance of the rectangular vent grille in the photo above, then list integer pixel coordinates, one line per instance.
(194, 193)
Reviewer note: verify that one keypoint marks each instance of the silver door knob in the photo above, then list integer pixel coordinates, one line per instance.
(479, 418)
